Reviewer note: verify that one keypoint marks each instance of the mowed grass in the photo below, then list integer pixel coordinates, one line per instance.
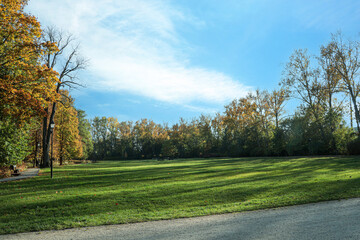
(112, 192)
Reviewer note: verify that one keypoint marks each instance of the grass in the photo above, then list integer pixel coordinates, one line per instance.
(112, 192)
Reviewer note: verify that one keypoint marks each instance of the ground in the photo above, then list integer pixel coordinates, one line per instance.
(112, 192)
(325, 220)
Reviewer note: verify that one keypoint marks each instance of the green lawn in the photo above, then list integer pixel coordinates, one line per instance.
(132, 191)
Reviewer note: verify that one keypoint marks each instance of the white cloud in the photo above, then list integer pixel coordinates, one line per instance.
(134, 47)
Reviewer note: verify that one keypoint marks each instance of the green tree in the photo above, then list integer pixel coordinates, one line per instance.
(14, 142)
(100, 137)
(345, 59)
(85, 134)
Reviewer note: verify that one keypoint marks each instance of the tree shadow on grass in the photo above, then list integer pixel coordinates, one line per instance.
(176, 188)
(206, 170)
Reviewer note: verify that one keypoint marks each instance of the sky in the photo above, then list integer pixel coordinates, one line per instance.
(166, 59)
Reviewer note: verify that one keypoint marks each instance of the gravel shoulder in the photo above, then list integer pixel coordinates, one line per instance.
(325, 220)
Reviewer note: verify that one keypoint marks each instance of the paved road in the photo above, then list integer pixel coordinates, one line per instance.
(28, 173)
(327, 220)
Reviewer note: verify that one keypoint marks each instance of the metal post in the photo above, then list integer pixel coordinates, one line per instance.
(36, 150)
(52, 143)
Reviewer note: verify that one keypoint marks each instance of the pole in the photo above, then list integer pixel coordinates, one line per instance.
(52, 143)
(36, 151)
(351, 115)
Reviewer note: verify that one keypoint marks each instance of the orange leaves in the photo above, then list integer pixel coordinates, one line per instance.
(26, 85)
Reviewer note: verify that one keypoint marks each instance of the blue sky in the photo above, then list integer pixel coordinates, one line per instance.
(164, 60)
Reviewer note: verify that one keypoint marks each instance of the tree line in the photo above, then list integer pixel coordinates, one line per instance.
(326, 86)
(37, 67)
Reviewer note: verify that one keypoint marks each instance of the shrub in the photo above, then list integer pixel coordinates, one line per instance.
(354, 147)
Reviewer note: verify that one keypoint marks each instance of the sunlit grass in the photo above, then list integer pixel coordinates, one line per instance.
(132, 191)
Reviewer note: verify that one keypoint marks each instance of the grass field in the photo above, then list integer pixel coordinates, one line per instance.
(113, 192)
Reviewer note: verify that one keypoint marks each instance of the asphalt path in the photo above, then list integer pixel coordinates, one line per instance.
(28, 173)
(326, 220)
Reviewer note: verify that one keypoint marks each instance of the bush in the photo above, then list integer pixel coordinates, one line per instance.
(354, 147)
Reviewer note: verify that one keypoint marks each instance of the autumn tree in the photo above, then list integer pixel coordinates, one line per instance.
(67, 132)
(238, 116)
(25, 83)
(148, 137)
(168, 148)
(160, 136)
(276, 101)
(186, 138)
(67, 61)
(126, 141)
(177, 134)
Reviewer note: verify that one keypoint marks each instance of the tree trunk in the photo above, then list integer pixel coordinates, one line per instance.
(45, 149)
(36, 150)
(356, 109)
(46, 137)
(61, 150)
(47, 132)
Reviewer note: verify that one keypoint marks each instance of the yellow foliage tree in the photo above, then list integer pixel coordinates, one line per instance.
(26, 85)
(67, 129)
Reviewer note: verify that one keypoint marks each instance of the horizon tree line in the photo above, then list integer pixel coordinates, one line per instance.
(326, 85)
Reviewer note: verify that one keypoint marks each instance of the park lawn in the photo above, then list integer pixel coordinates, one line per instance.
(112, 192)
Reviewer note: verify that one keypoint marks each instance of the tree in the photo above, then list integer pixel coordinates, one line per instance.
(25, 84)
(85, 134)
(126, 141)
(217, 129)
(331, 77)
(100, 137)
(14, 142)
(345, 58)
(263, 126)
(72, 63)
(67, 131)
(204, 125)
(276, 102)
(302, 80)
(330, 87)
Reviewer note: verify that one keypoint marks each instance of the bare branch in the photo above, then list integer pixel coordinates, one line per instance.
(68, 53)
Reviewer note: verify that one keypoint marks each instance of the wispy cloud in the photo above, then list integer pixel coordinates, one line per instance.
(134, 47)
(326, 14)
